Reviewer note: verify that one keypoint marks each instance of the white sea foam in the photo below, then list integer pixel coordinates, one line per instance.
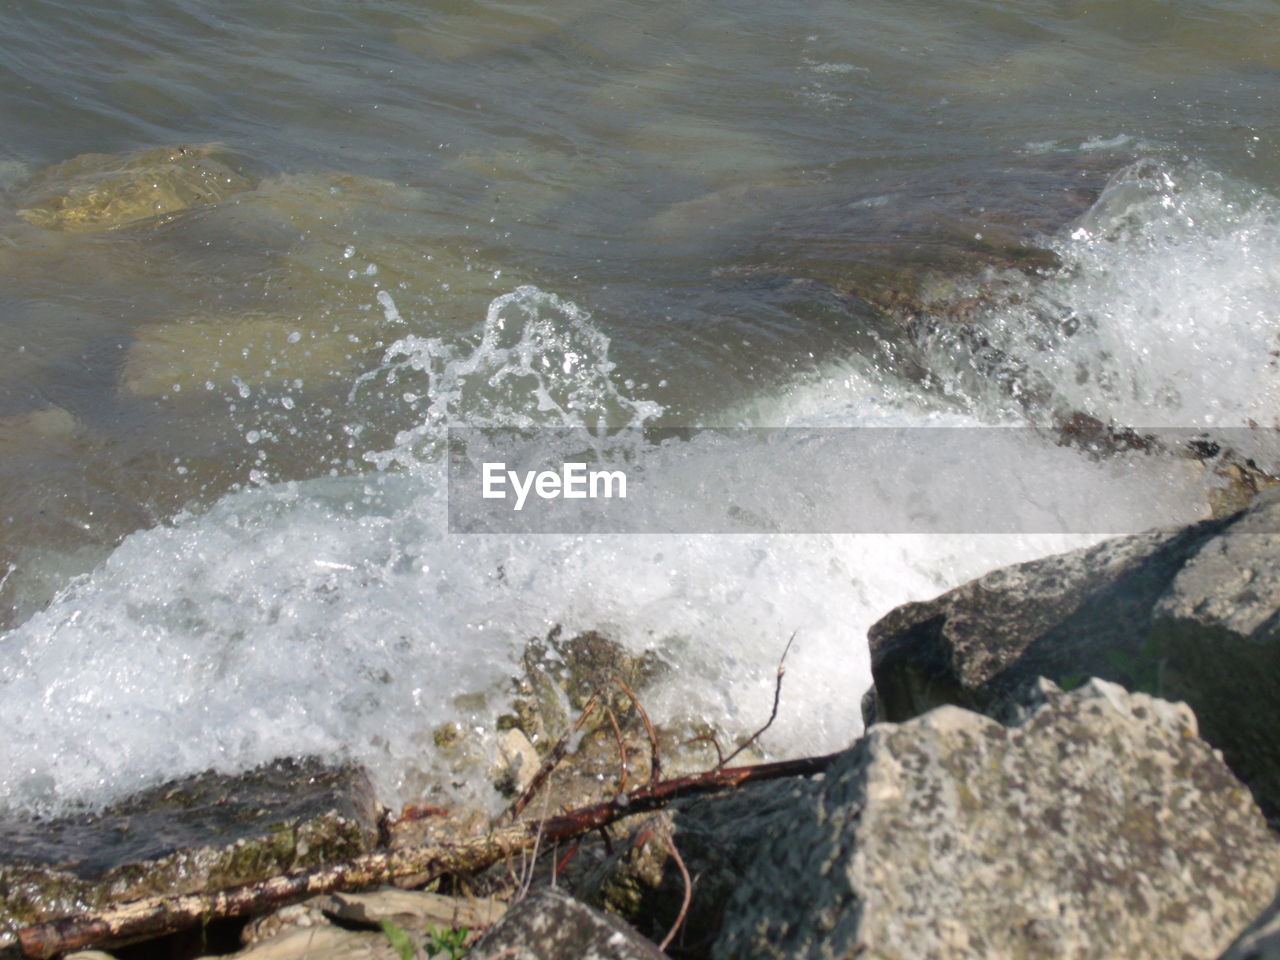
(1164, 313)
(337, 616)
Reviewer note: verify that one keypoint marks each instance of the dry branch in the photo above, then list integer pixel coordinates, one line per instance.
(551, 762)
(777, 698)
(655, 754)
(140, 919)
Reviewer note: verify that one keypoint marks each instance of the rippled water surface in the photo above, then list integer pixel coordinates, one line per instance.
(217, 414)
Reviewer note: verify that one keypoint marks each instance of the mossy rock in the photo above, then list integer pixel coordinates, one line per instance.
(100, 191)
(205, 832)
(562, 674)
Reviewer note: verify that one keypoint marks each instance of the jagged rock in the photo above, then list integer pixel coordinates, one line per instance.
(550, 923)
(1193, 614)
(99, 191)
(1261, 941)
(205, 832)
(1100, 827)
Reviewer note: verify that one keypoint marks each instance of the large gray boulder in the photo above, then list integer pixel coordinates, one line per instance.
(1102, 826)
(1191, 614)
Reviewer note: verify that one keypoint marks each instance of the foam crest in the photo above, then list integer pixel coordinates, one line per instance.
(539, 362)
(1163, 314)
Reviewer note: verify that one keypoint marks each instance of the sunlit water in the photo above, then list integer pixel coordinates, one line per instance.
(219, 431)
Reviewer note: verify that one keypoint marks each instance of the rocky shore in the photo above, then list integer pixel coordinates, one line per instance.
(1074, 757)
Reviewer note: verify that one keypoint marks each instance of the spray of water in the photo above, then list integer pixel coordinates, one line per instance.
(337, 616)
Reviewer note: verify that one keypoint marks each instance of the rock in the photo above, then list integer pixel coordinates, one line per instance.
(1100, 827)
(419, 914)
(718, 838)
(293, 917)
(98, 191)
(416, 911)
(1261, 940)
(551, 924)
(322, 943)
(517, 762)
(196, 355)
(1193, 614)
(562, 674)
(204, 832)
(24, 431)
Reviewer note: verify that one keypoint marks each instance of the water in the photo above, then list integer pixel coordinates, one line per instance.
(224, 518)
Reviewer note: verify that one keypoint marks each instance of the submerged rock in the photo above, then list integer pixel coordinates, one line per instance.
(216, 354)
(205, 832)
(1192, 614)
(1102, 826)
(100, 191)
(24, 431)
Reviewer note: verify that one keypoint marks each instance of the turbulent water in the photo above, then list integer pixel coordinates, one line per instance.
(222, 472)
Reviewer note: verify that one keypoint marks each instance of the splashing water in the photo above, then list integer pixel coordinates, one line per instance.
(337, 616)
(1163, 313)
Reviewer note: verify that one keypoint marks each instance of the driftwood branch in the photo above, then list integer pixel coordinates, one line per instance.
(140, 919)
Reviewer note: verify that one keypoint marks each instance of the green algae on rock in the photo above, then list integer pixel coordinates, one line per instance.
(202, 833)
(101, 191)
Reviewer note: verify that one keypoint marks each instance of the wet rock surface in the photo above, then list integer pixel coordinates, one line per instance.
(99, 191)
(1100, 827)
(205, 832)
(1190, 614)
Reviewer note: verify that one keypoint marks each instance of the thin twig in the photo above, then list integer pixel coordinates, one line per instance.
(622, 749)
(688, 895)
(655, 754)
(777, 697)
(553, 759)
(533, 857)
